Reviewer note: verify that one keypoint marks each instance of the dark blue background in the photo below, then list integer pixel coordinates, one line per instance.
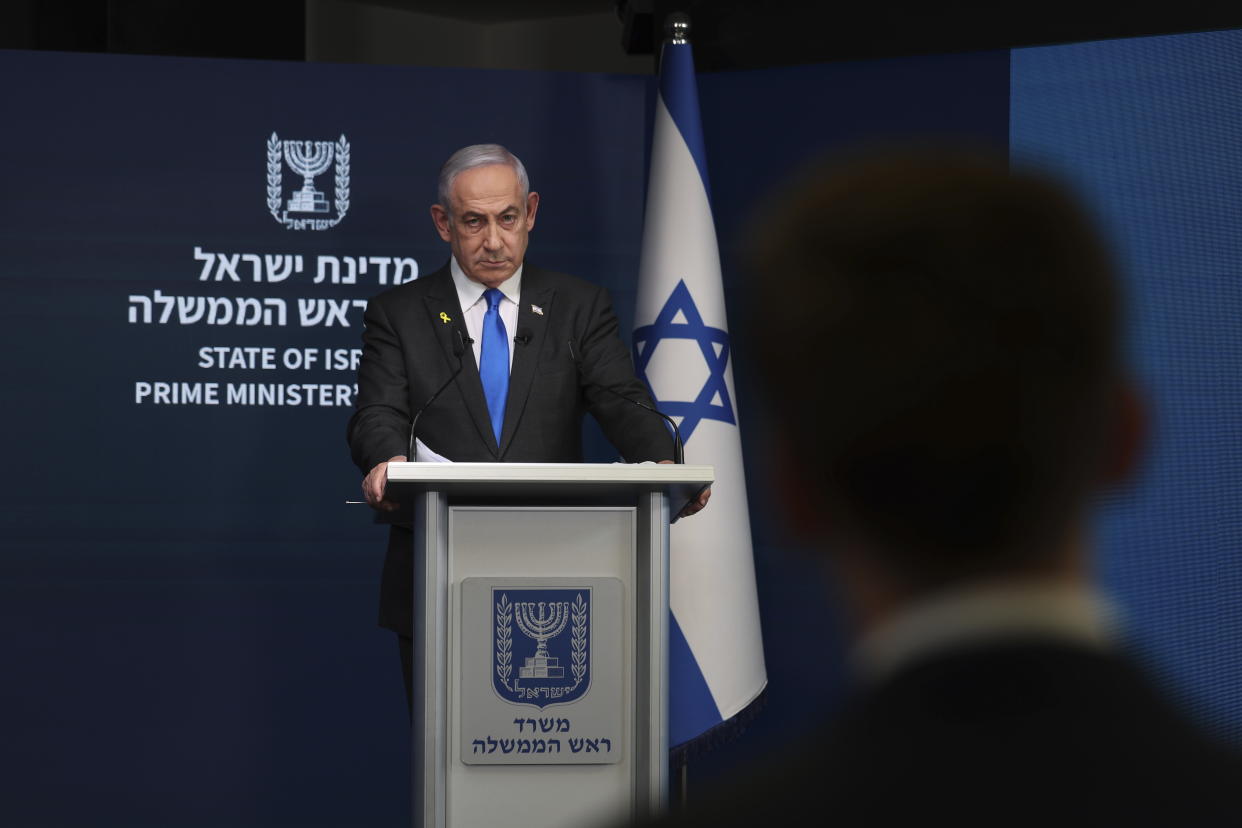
(187, 607)
(1150, 132)
(761, 128)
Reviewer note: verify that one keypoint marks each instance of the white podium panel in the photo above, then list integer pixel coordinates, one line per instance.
(541, 640)
(594, 544)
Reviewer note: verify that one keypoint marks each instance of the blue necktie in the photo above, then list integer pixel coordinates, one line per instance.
(494, 361)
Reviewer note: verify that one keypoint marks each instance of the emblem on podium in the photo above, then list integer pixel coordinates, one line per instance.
(541, 645)
(307, 208)
(543, 673)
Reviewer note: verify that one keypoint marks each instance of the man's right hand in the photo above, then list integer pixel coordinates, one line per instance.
(375, 481)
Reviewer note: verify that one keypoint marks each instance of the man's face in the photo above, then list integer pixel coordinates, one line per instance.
(488, 224)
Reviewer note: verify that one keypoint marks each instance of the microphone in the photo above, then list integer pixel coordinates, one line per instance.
(459, 348)
(523, 336)
(678, 446)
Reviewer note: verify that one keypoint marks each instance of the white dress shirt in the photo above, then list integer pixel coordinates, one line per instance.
(474, 306)
(979, 613)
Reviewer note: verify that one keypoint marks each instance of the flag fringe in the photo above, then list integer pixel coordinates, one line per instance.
(719, 735)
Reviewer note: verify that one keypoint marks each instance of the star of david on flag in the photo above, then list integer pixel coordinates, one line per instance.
(682, 352)
(680, 319)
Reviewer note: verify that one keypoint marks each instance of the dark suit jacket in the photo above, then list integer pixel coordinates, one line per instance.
(1020, 733)
(408, 352)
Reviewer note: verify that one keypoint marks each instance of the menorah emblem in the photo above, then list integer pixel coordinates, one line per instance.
(547, 621)
(308, 159)
(558, 672)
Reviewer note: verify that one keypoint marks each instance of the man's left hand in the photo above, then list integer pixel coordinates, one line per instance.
(698, 504)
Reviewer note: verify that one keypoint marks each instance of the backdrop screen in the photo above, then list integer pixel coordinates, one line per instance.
(1150, 132)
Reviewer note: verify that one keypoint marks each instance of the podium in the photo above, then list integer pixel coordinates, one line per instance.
(541, 639)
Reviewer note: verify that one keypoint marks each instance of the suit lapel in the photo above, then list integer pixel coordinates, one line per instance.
(526, 357)
(442, 299)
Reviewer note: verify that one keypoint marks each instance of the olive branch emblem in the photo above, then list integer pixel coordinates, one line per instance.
(578, 639)
(274, 176)
(504, 640)
(342, 178)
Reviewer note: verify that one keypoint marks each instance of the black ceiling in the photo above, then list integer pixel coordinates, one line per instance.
(727, 34)
(742, 34)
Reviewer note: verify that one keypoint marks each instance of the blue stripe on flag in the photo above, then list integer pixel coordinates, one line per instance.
(691, 708)
(681, 99)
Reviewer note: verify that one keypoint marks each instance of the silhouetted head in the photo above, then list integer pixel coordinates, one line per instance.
(939, 337)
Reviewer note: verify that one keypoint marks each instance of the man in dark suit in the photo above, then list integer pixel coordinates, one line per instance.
(955, 397)
(535, 349)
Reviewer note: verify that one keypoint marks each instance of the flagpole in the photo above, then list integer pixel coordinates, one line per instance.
(677, 28)
(677, 32)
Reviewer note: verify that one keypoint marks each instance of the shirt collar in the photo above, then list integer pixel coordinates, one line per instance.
(470, 291)
(983, 613)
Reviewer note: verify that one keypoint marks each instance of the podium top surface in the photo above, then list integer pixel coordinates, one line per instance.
(652, 475)
(614, 482)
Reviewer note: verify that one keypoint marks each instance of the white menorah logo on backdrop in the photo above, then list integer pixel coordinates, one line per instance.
(307, 208)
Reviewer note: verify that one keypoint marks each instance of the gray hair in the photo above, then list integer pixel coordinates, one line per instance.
(479, 155)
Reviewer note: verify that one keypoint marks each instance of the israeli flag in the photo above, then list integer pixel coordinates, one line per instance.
(681, 349)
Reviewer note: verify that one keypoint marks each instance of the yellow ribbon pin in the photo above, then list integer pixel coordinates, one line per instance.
(444, 317)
